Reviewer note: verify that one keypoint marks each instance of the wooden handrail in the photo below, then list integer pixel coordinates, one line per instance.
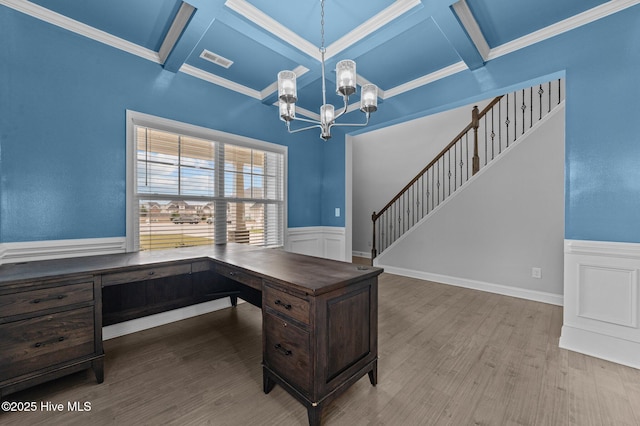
(455, 140)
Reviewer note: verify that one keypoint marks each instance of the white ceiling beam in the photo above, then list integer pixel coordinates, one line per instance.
(472, 28)
(177, 27)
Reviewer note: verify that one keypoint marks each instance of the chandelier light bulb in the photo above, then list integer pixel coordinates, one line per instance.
(369, 98)
(327, 114)
(346, 77)
(287, 86)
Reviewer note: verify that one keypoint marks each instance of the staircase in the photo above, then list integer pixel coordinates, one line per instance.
(491, 131)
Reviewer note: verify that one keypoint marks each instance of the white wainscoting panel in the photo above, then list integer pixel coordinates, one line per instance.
(608, 294)
(57, 249)
(601, 300)
(320, 241)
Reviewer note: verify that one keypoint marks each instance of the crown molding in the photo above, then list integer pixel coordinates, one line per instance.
(426, 79)
(563, 26)
(212, 78)
(85, 30)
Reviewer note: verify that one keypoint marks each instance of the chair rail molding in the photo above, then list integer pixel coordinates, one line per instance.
(57, 249)
(601, 295)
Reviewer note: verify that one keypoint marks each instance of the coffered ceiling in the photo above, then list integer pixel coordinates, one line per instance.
(398, 45)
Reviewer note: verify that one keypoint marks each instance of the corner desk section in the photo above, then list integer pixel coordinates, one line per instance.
(320, 317)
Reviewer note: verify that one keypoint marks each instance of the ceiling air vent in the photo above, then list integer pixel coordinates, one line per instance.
(216, 59)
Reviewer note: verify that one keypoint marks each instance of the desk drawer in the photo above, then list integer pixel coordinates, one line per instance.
(287, 351)
(36, 343)
(149, 273)
(37, 300)
(239, 275)
(286, 304)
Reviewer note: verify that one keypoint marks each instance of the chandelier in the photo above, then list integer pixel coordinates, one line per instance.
(345, 86)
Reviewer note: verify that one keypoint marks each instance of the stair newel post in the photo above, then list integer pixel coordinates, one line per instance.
(373, 240)
(475, 123)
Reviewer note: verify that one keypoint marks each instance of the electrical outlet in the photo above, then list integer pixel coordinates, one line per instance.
(337, 212)
(536, 273)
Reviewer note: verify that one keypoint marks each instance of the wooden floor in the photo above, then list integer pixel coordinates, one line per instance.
(448, 356)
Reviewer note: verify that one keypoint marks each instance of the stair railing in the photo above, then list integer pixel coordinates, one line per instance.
(501, 122)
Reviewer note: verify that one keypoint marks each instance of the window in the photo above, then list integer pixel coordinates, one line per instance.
(190, 186)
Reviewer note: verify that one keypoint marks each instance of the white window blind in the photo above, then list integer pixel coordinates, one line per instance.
(194, 191)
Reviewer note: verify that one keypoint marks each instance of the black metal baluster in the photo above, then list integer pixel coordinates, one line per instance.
(507, 122)
(466, 136)
(530, 106)
(500, 126)
(540, 93)
(421, 196)
(559, 91)
(523, 107)
(515, 115)
(449, 170)
(461, 163)
(455, 167)
(486, 155)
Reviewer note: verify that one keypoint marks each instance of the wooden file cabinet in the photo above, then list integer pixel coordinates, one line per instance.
(316, 346)
(49, 328)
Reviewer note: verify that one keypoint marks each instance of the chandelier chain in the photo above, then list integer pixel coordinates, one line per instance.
(321, 25)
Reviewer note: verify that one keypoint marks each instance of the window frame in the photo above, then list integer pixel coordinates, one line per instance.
(134, 118)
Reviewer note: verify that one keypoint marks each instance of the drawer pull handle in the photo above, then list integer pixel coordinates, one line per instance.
(152, 273)
(232, 273)
(47, 299)
(57, 339)
(284, 305)
(282, 350)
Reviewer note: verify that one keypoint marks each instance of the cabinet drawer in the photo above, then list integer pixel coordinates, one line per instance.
(146, 274)
(36, 300)
(239, 275)
(287, 351)
(291, 306)
(40, 342)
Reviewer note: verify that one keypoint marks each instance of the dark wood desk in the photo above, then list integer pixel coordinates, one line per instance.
(320, 317)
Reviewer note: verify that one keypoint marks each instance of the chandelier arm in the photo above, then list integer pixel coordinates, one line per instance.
(352, 124)
(306, 120)
(302, 129)
(344, 110)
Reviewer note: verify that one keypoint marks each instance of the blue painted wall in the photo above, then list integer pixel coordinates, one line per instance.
(601, 62)
(62, 131)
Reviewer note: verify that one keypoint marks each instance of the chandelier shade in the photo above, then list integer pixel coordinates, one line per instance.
(346, 77)
(287, 86)
(346, 85)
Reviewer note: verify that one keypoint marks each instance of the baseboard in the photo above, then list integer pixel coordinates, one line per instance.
(320, 241)
(57, 249)
(536, 296)
(366, 255)
(151, 321)
(602, 346)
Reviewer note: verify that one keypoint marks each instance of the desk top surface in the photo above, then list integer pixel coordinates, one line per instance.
(310, 274)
